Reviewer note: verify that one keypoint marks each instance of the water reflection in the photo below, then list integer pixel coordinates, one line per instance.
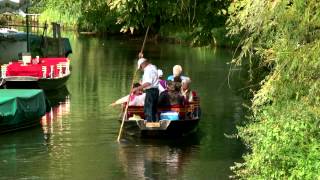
(57, 96)
(56, 129)
(149, 159)
(19, 150)
(59, 102)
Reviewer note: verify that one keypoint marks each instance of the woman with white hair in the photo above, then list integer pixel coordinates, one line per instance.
(185, 90)
(176, 71)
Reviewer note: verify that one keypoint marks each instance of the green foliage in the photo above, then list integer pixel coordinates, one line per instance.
(202, 21)
(85, 15)
(284, 145)
(283, 132)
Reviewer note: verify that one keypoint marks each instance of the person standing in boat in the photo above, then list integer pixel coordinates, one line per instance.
(150, 84)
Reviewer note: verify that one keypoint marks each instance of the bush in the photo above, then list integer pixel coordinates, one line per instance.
(283, 133)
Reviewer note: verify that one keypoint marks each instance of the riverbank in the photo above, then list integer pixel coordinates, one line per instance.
(282, 132)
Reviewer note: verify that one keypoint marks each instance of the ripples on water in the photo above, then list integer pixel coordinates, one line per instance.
(77, 139)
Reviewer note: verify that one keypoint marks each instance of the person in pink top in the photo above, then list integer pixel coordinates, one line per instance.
(137, 98)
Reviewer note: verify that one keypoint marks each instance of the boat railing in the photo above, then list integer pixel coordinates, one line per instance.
(42, 68)
(3, 71)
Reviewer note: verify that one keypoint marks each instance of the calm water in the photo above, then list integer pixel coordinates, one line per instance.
(78, 137)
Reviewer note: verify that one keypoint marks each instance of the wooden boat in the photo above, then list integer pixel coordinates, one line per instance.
(189, 117)
(21, 108)
(46, 73)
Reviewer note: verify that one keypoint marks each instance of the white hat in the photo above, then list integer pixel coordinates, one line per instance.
(140, 61)
(160, 73)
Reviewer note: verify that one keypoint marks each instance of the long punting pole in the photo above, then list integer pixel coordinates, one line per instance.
(134, 75)
(144, 41)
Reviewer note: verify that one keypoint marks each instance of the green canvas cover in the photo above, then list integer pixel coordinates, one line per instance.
(21, 106)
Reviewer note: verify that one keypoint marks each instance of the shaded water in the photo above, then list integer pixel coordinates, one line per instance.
(77, 139)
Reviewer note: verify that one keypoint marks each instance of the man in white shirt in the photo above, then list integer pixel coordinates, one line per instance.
(150, 83)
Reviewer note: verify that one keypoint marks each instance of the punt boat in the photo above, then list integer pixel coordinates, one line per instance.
(174, 121)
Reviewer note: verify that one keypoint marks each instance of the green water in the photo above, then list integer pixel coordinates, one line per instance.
(78, 137)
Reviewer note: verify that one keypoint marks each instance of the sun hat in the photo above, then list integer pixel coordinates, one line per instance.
(140, 61)
(160, 73)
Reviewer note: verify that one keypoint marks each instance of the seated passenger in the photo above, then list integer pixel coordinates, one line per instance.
(177, 71)
(177, 83)
(177, 79)
(185, 90)
(164, 99)
(175, 96)
(136, 98)
(171, 96)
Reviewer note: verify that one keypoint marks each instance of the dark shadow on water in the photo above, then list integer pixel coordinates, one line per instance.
(56, 96)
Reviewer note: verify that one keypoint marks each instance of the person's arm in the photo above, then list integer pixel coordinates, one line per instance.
(142, 87)
(120, 101)
(140, 55)
(147, 79)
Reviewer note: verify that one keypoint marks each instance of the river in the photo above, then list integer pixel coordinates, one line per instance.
(77, 139)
